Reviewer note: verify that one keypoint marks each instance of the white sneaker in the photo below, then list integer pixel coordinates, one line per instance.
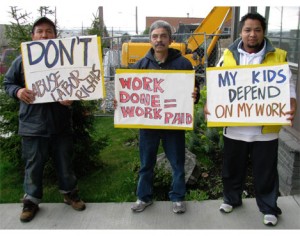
(226, 208)
(139, 205)
(179, 207)
(270, 220)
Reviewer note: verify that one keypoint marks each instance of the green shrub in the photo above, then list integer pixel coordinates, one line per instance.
(197, 195)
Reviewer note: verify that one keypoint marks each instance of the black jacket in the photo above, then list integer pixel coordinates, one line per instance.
(36, 119)
(174, 61)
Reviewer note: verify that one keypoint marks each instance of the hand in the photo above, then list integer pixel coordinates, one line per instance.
(66, 102)
(194, 94)
(206, 112)
(26, 95)
(115, 104)
(293, 110)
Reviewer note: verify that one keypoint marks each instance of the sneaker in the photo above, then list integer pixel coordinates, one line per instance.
(72, 198)
(226, 208)
(179, 207)
(139, 205)
(29, 210)
(270, 220)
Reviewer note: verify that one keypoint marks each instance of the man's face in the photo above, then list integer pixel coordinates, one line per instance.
(43, 31)
(252, 35)
(160, 40)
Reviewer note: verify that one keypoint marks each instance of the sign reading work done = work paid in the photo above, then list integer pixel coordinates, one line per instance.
(154, 99)
(248, 95)
(64, 69)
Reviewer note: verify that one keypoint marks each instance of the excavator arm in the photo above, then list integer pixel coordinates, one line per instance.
(212, 24)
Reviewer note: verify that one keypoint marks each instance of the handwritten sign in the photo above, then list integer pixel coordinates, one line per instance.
(154, 99)
(248, 95)
(64, 69)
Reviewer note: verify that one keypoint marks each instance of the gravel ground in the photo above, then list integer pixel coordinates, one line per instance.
(107, 103)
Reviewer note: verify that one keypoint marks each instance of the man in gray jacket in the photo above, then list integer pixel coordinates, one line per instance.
(46, 130)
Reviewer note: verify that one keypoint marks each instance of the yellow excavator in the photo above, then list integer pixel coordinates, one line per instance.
(193, 49)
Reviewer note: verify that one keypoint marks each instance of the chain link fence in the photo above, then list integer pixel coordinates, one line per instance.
(112, 59)
(204, 56)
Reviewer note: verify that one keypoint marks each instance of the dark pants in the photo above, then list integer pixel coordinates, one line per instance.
(36, 152)
(173, 142)
(263, 155)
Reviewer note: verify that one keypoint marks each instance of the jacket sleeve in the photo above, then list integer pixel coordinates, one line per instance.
(14, 78)
(197, 85)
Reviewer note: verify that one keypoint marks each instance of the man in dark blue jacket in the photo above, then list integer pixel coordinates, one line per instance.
(45, 128)
(161, 56)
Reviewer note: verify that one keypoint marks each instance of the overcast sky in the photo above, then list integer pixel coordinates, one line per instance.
(120, 14)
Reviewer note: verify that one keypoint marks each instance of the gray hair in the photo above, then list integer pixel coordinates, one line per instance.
(161, 24)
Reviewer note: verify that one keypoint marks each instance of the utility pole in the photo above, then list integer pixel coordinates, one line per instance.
(55, 21)
(267, 16)
(252, 9)
(136, 21)
(100, 17)
(234, 23)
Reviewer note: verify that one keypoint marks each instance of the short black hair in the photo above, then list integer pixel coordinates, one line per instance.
(253, 16)
(44, 19)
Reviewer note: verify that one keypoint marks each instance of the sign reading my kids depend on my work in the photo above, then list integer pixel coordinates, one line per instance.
(64, 69)
(154, 99)
(248, 95)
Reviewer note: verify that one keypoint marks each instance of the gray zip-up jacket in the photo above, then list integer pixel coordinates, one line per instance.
(45, 119)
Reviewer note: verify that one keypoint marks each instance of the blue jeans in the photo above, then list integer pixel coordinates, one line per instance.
(173, 142)
(36, 152)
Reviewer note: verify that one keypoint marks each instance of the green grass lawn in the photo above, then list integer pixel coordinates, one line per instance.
(11, 182)
(115, 181)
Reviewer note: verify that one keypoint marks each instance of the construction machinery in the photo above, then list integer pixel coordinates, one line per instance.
(199, 45)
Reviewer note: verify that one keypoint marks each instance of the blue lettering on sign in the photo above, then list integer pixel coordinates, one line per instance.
(225, 81)
(63, 51)
(37, 60)
(47, 49)
(268, 76)
(59, 51)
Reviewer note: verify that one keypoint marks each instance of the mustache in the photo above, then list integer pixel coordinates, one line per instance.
(160, 44)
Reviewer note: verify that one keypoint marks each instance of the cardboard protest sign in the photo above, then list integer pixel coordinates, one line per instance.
(248, 95)
(64, 69)
(154, 99)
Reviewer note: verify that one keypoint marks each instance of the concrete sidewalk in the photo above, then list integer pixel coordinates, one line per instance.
(199, 215)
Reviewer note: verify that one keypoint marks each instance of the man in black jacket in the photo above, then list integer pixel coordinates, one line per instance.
(45, 129)
(161, 56)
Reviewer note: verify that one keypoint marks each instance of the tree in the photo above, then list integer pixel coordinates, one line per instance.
(98, 29)
(86, 148)
(19, 30)
(125, 38)
(146, 31)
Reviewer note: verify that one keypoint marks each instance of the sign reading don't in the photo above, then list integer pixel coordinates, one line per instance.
(64, 69)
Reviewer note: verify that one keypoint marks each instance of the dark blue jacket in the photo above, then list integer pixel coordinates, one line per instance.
(45, 119)
(174, 61)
